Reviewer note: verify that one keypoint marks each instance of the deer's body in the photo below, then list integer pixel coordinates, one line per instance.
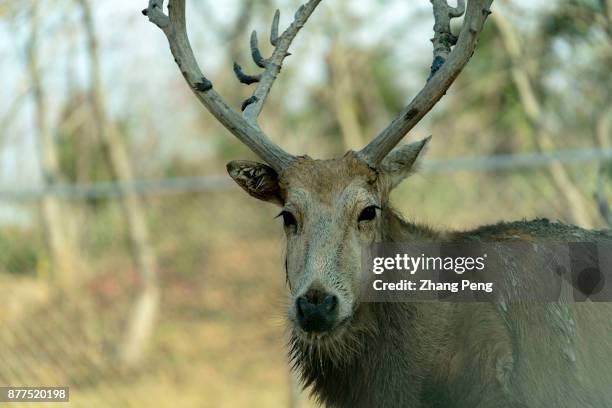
(470, 354)
(355, 354)
(440, 354)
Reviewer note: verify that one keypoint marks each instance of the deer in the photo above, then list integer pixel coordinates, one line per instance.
(350, 353)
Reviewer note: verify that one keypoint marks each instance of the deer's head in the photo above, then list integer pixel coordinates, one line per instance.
(330, 208)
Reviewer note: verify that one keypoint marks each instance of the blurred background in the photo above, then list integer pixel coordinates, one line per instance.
(134, 271)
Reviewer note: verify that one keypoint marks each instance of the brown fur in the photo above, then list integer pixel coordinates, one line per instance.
(481, 355)
(325, 178)
(474, 354)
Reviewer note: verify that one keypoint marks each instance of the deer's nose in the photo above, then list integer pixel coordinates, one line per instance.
(316, 311)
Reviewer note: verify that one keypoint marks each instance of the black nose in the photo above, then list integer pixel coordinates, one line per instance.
(317, 311)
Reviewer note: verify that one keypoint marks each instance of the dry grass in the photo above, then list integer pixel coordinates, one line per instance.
(219, 339)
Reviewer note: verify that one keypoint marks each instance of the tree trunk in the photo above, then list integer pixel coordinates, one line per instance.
(342, 93)
(61, 244)
(542, 139)
(143, 316)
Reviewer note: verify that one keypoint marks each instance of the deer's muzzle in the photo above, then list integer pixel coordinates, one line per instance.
(317, 311)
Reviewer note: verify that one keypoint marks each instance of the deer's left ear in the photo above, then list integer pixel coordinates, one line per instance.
(257, 179)
(401, 161)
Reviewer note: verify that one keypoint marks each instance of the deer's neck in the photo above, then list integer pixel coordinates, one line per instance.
(389, 365)
(396, 229)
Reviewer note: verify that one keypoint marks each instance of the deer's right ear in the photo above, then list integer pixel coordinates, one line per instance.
(401, 162)
(257, 179)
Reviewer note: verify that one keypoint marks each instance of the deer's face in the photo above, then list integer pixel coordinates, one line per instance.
(330, 210)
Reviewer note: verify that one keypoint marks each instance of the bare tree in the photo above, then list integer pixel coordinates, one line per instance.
(343, 97)
(576, 202)
(141, 322)
(61, 243)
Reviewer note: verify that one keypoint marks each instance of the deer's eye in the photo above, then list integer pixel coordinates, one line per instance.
(368, 213)
(288, 218)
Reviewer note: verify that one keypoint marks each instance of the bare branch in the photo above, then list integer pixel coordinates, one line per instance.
(442, 78)
(174, 27)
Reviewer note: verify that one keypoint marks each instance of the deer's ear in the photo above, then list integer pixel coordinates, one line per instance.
(257, 179)
(401, 161)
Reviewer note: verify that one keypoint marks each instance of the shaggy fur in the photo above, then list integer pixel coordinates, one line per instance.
(467, 355)
(444, 355)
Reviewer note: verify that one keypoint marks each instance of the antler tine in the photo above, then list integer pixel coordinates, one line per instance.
(245, 78)
(274, 29)
(252, 106)
(443, 39)
(255, 53)
(446, 66)
(257, 57)
(457, 11)
(174, 27)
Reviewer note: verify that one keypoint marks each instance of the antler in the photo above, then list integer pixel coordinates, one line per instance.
(445, 68)
(252, 106)
(245, 126)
